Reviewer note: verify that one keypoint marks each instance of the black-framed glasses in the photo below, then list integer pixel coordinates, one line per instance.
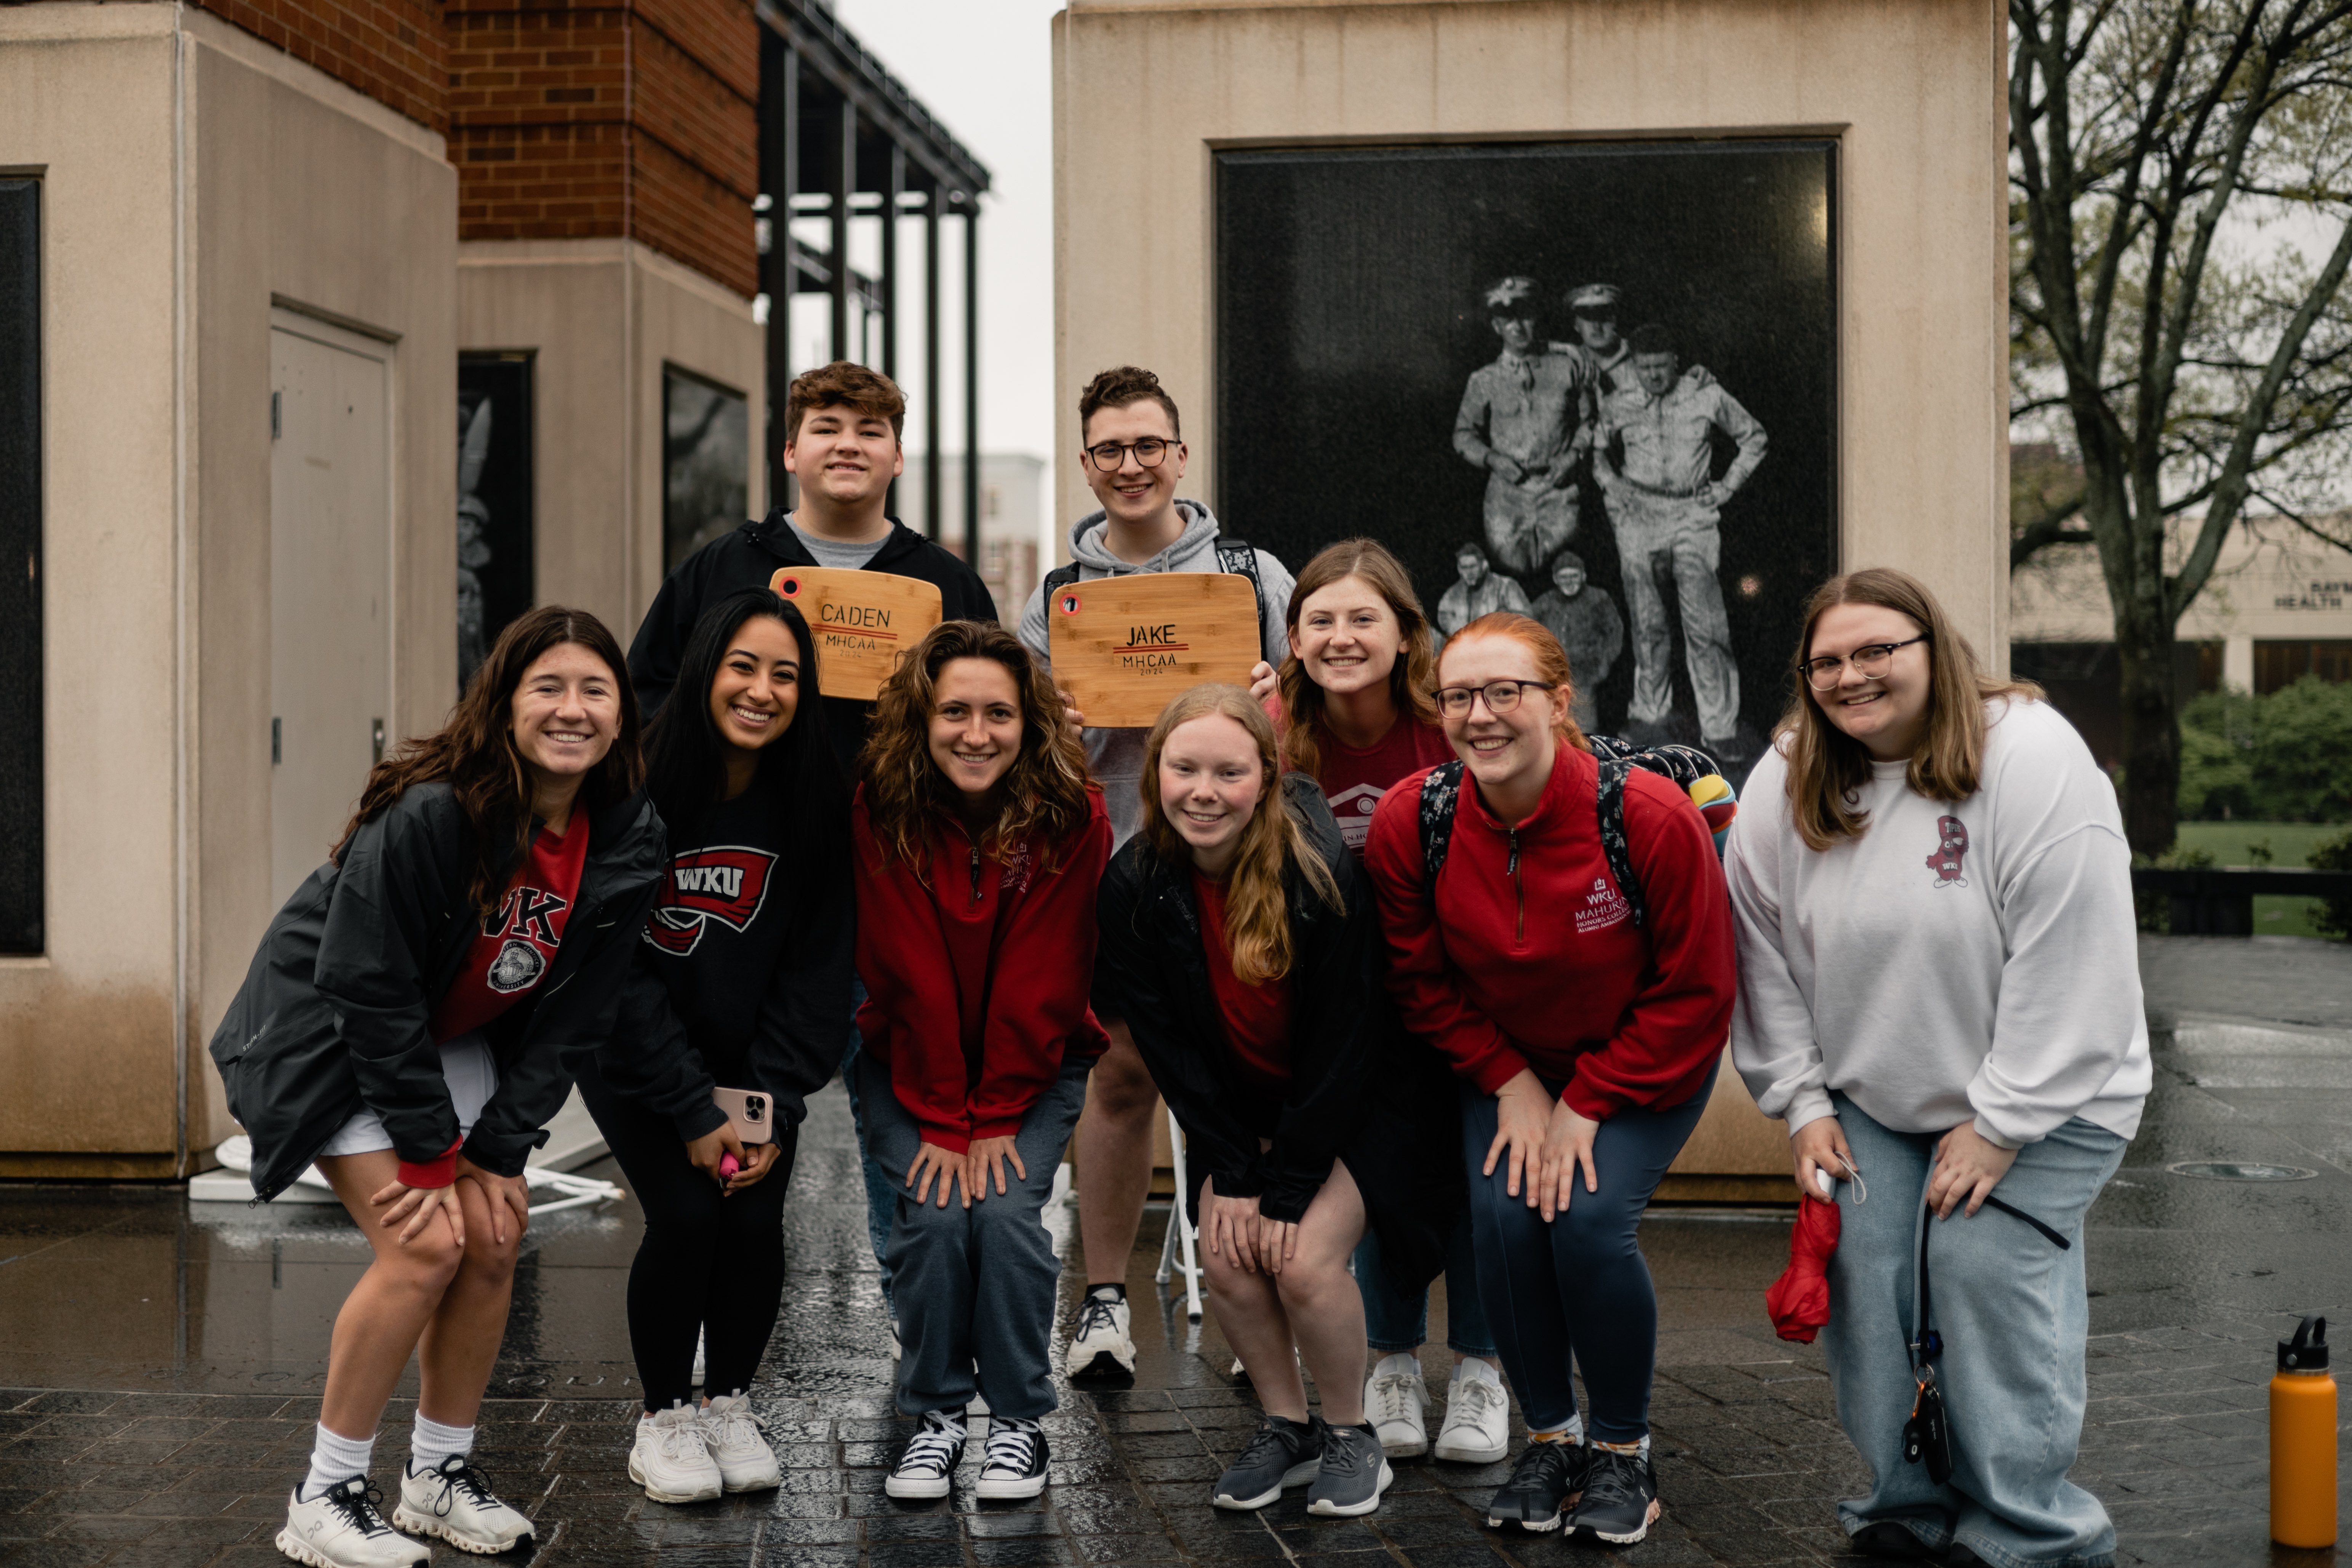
(1870, 661)
(1109, 456)
(1501, 696)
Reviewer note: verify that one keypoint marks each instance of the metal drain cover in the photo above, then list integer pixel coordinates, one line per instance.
(2240, 1171)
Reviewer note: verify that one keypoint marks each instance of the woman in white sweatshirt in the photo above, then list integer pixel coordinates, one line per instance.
(1939, 989)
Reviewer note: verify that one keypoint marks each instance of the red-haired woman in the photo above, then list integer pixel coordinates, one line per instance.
(1939, 986)
(977, 842)
(1584, 1018)
(402, 1027)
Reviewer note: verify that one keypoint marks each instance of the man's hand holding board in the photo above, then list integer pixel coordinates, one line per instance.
(861, 622)
(1124, 646)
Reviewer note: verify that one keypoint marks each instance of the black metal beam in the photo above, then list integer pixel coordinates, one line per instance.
(842, 171)
(933, 426)
(833, 52)
(890, 261)
(780, 148)
(972, 384)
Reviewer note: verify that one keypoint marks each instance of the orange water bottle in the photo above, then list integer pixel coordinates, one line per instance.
(2303, 1440)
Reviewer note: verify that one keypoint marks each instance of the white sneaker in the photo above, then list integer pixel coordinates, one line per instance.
(453, 1501)
(671, 1459)
(342, 1529)
(1102, 1331)
(732, 1433)
(1477, 1429)
(928, 1464)
(897, 1350)
(1393, 1404)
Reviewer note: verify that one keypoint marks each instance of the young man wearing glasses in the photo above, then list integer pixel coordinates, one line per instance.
(1133, 456)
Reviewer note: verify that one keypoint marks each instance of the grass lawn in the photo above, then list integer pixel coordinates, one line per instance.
(2290, 843)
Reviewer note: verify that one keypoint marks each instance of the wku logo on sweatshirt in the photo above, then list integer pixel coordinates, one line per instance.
(728, 884)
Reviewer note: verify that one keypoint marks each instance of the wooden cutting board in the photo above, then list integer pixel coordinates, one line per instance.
(862, 621)
(1123, 645)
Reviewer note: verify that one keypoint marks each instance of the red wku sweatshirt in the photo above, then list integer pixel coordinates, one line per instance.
(976, 986)
(1529, 956)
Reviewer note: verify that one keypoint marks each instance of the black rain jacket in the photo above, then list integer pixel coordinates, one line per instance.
(1361, 1088)
(748, 558)
(333, 1014)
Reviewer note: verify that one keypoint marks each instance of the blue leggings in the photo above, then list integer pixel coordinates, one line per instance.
(1578, 1286)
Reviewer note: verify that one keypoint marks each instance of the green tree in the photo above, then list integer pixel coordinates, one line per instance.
(2198, 361)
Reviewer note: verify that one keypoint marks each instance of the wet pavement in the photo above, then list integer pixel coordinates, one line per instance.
(159, 1361)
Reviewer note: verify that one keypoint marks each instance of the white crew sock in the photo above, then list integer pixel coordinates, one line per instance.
(1471, 1366)
(1401, 1363)
(334, 1459)
(431, 1443)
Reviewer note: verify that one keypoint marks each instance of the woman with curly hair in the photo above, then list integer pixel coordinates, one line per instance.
(976, 842)
(406, 1025)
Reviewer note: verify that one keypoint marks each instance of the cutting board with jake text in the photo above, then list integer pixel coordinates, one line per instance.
(862, 621)
(1123, 646)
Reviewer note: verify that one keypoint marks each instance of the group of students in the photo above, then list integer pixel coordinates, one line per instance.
(1433, 982)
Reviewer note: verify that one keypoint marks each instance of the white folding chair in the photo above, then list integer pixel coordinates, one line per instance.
(1181, 1232)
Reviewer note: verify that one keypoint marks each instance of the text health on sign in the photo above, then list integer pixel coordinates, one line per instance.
(862, 621)
(1124, 646)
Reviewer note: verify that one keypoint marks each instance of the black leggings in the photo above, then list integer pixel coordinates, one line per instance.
(707, 1261)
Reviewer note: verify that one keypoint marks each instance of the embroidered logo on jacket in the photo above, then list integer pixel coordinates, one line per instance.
(1950, 851)
(728, 884)
(1603, 907)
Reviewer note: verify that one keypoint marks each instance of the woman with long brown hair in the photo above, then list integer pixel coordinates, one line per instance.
(976, 842)
(402, 1027)
(1940, 990)
(1357, 714)
(1240, 938)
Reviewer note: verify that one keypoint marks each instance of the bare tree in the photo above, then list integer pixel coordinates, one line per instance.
(2165, 156)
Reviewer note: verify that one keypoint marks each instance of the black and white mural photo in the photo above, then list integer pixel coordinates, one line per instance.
(1592, 382)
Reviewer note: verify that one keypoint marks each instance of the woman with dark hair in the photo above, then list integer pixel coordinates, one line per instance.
(1357, 713)
(1239, 935)
(1557, 926)
(743, 982)
(978, 843)
(404, 1026)
(1940, 990)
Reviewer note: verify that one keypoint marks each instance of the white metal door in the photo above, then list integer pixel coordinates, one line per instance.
(329, 584)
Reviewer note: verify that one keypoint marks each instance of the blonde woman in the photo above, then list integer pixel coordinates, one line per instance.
(1940, 990)
(1240, 938)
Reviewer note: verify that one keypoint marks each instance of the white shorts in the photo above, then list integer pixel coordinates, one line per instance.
(472, 1074)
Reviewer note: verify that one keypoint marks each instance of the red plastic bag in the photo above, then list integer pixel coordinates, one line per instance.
(1799, 1300)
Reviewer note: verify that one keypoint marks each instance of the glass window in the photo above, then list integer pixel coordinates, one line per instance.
(20, 567)
(705, 463)
(2278, 663)
(495, 500)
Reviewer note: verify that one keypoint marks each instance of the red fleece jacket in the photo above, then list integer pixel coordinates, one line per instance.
(1544, 968)
(976, 985)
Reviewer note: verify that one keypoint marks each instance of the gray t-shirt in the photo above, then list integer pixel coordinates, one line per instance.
(833, 552)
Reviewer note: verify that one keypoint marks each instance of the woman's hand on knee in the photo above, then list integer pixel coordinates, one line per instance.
(1819, 1145)
(509, 1196)
(1522, 1114)
(705, 1152)
(758, 1160)
(1277, 1242)
(1967, 1166)
(417, 1205)
(932, 1160)
(986, 1156)
(1567, 1154)
(1230, 1225)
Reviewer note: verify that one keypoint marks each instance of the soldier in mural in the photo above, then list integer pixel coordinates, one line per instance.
(1585, 620)
(1479, 591)
(1594, 309)
(473, 544)
(1524, 420)
(1654, 462)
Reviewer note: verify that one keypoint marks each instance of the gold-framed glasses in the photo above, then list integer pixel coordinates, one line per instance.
(1871, 662)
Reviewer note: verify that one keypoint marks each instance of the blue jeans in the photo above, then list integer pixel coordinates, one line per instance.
(1578, 1286)
(976, 1284)
(1397, 1324)
(2011, 1310)
(881, 1190)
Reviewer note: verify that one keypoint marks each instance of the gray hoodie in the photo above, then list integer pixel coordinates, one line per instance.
(1115, 757)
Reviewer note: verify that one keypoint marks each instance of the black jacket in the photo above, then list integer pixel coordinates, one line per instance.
(748, 558)
(333, 1014)
(1361, 1089)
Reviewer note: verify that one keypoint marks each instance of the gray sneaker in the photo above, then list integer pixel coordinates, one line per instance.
(1353, 1474)
(1280, 1454)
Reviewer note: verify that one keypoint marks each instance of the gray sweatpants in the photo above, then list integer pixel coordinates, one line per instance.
(974, 1284)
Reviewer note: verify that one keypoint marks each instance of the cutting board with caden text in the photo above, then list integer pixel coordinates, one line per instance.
(1123, 646)
(861, 622)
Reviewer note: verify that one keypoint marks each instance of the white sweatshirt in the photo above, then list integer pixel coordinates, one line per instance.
(1978, 960)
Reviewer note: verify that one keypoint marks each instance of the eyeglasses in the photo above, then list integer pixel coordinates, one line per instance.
(1870, 662)
(1109, 456)
(1501, 696)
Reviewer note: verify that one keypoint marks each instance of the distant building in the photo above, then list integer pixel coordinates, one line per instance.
(1012, 504)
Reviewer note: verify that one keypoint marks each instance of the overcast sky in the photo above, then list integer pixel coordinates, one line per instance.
(983, 69)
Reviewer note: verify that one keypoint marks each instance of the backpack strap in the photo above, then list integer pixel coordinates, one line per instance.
(1609, 805)
(1439, 792)
(1059, 578)
(1237, 558)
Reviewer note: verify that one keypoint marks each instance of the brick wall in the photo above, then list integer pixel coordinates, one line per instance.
(570, 122)
(395, 51)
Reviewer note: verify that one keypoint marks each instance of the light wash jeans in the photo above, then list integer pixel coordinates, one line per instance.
(2011, 1310)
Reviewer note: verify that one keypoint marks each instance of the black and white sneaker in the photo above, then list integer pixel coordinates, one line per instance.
(1281, 1453)
(1102, 1344)
(929, 1462)
(1546, 1479)
(1352, 1474)
(1620, 1498)
(1015, 1461)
